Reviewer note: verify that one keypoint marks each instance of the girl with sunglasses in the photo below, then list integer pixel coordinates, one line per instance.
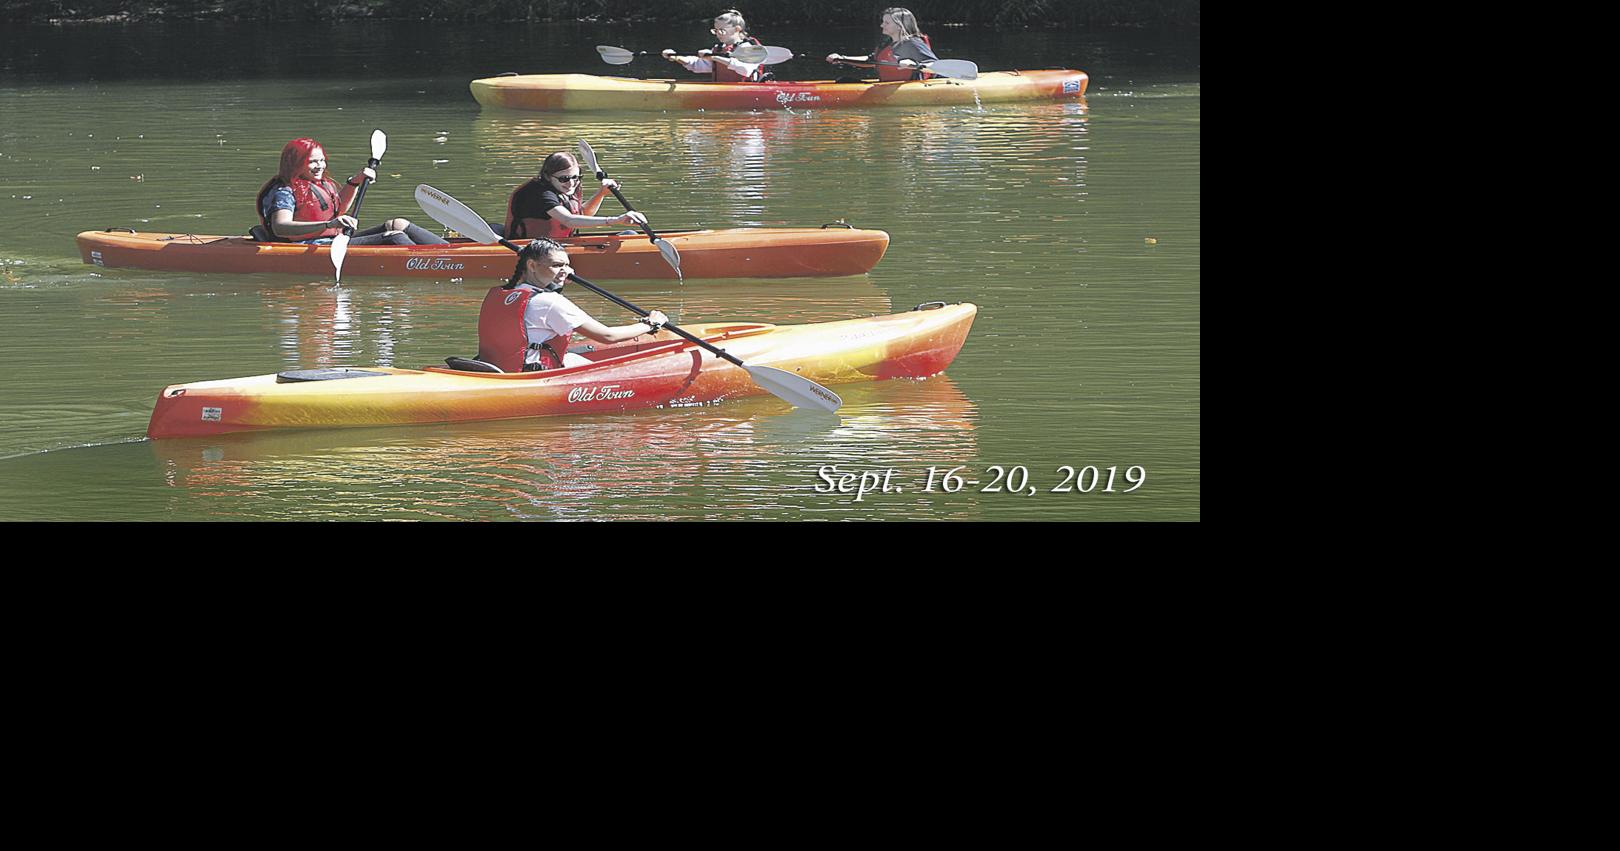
(730, 32)
(902, 44)
(552, 205)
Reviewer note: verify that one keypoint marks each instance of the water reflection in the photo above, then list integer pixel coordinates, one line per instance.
(750, 459)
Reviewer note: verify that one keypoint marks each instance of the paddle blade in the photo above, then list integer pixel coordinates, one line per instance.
(587, 157)
(750, 53)
(615, 55)
(454, 215)
(379, 144)
(777, 55)
(340, 247)
(796, 390)
(956, 69)
(671, 256)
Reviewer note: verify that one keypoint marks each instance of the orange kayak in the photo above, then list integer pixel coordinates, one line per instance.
(660, 371)
(731, 253)
(575, 92)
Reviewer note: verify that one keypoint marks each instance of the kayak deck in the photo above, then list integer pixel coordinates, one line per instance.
(575, 92)
(659, 371)
(729, 253)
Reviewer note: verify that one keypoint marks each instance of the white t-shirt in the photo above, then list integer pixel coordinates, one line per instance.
(550, 315)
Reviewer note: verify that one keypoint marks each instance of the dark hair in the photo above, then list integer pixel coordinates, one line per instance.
(557, 162)
(537, 248)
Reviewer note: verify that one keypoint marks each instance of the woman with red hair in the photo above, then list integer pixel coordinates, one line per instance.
(302, 204)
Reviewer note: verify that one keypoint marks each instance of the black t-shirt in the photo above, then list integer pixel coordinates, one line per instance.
(535, 200)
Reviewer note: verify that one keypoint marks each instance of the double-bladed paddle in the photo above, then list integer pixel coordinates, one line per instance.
(751, 53)
(670, 255)
(796, 390)
(956, 69)
(340, 243)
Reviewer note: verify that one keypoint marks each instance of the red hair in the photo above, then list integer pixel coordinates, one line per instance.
(294, 157)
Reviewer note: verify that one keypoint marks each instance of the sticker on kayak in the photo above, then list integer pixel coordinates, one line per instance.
(1071, 87)
(212, 415)
(602, 393)
(785, 98)
(95, 257)
(434, 264)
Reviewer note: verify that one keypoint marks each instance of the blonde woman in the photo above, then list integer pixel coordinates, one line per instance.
(902, 44)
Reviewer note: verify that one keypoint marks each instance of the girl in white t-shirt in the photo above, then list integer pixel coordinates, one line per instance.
(543, 266)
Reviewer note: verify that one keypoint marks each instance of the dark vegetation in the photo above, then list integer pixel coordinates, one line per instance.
(1001, 13)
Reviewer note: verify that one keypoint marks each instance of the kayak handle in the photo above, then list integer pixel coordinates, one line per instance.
(929, 305)
(838, 224)
(117, 229)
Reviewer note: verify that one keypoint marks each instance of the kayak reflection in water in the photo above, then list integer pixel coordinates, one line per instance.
(902, 43)
(525, 324)
(302, 204)
(730, 32)
(551, 204)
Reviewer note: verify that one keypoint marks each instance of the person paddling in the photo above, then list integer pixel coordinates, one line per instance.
(525, 325)
(552, 205)
(730, 32)
(902, 44)
(302, 204)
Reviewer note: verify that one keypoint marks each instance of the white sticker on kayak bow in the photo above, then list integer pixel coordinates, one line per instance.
(212, 415)
(95, 257)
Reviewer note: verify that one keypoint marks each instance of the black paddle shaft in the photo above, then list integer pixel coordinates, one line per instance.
(602, 175)
(639, 312)
(360, 196)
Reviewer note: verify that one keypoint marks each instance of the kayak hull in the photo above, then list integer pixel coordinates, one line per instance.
(577, 92)
(647, 372)
(731, 253)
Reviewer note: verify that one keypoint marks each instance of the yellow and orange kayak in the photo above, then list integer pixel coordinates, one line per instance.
(730, 253)
(658, 371)
(589, 92)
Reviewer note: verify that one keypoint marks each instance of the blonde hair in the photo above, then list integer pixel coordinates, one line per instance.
(732, 18)
(906, 20)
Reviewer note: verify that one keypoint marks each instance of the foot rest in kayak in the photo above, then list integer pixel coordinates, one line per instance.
(471, 365)
(295, 375)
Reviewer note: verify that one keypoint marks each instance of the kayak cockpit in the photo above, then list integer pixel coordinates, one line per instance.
(598, 355)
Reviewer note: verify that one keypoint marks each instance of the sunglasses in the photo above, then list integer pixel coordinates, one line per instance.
(568, 178)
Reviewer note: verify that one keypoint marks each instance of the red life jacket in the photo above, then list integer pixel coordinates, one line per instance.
(530, 228)
(723, 74)
(887, 74)
(503, 338)
(312, 202)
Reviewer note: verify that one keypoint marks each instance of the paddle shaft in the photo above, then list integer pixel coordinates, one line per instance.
(918, 67)
(639, 312)
(602, 175)
(360, 195)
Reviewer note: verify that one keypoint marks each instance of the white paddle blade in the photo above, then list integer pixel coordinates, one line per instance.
(750, 53)
(777, 55)
(340, 247)
(379, 144)
(671, 256)
(615, 55)
(587, 157)
(454, 215)
(796, 390)
(956, 69)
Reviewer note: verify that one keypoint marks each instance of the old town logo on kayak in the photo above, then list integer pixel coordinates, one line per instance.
(600, 393)
(434, 264)
(786, 98)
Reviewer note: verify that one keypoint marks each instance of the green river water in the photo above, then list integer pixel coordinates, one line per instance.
(1085, 353)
